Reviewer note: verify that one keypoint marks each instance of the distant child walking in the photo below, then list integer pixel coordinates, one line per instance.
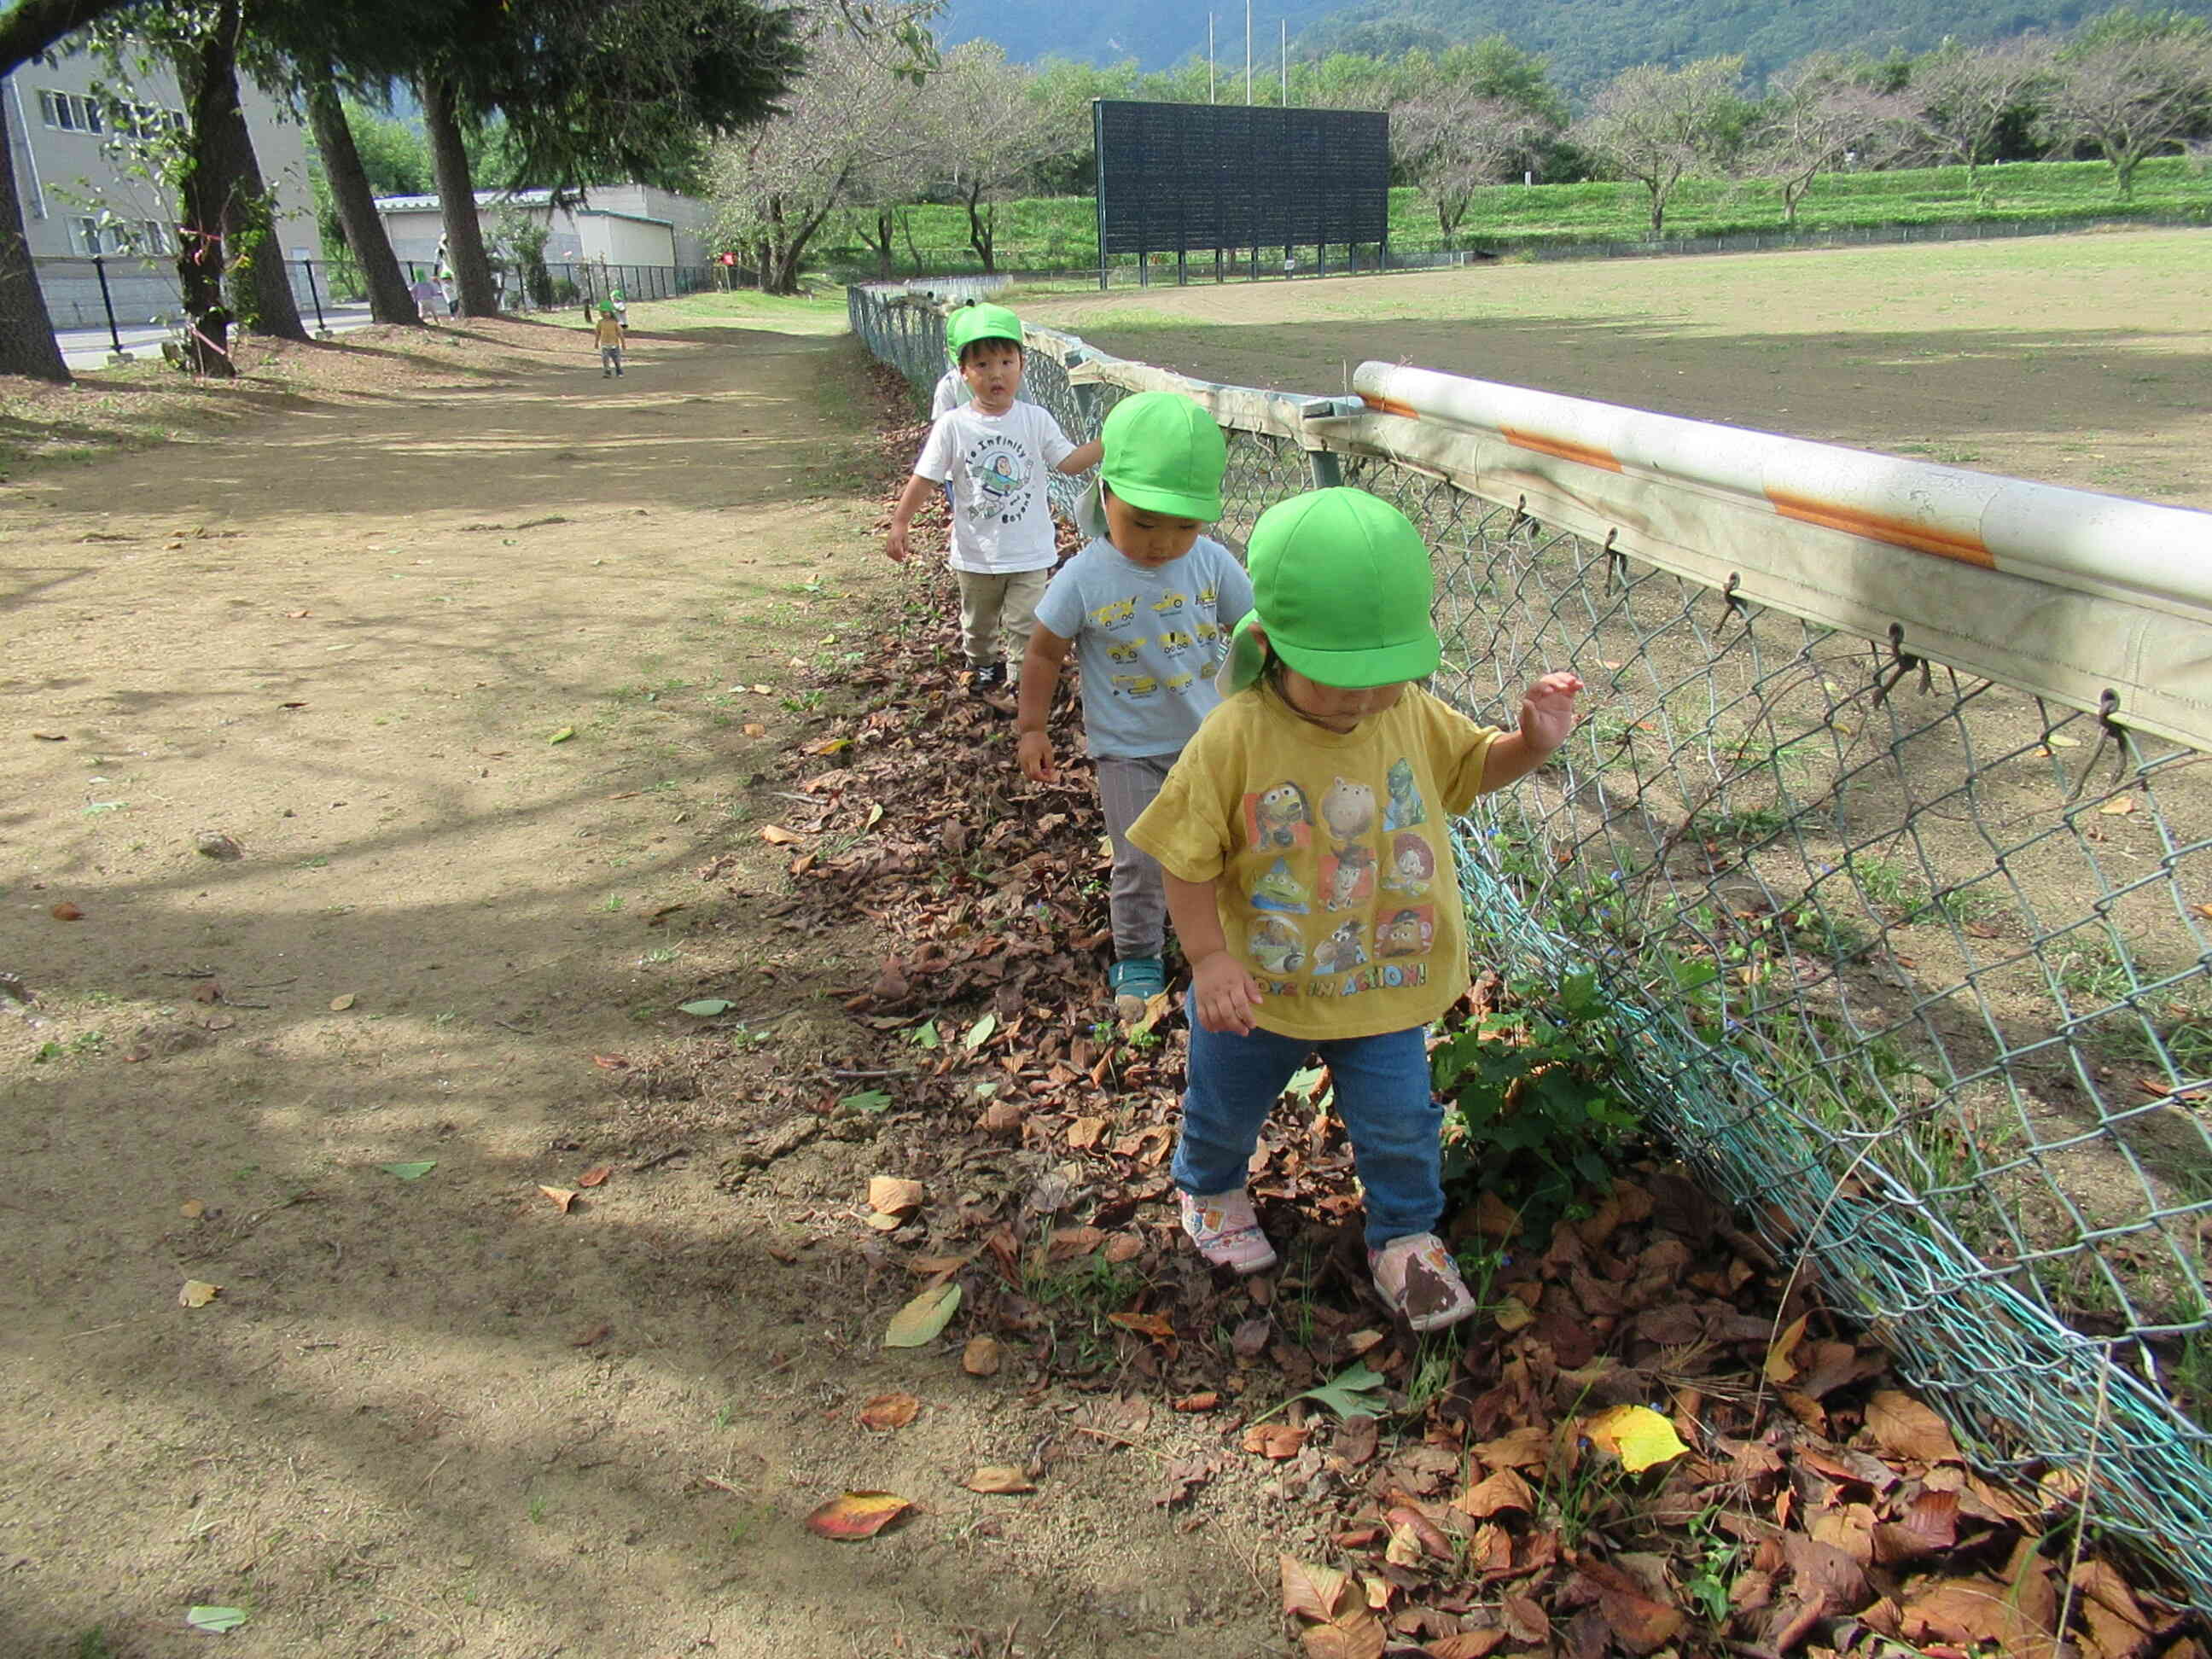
(1304, 834)
(608, 335)
(1147, 606)
(994, 451)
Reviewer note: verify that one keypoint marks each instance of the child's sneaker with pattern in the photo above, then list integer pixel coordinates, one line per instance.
(1226, 1230)
(1417, 1278)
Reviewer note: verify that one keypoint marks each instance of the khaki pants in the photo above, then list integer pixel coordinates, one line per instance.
(1001, 605)
(1136, 900)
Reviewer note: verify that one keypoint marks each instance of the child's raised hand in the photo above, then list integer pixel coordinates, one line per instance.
(1034, 751)
(1225, 993)
(895, 545)
(1547, 710)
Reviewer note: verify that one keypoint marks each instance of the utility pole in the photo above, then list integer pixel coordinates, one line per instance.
(1284, 23)
(1209, 58)
(1248, 51)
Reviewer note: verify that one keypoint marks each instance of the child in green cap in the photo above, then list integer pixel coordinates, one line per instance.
(1305, 838)
(994, 451)
(607, 335)
(1147, 606)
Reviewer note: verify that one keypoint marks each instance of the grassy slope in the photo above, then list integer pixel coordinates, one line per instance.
(1047, 233)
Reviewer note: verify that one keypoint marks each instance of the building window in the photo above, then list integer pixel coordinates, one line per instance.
(69, 113)
(88, 235)
(156, 234)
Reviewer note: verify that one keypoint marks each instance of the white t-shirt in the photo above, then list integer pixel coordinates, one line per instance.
(1002, 517)
(952, 392)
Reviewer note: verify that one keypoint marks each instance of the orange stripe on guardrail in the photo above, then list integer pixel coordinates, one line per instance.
(1876, 527)
(1588, 454)
(1390, 406)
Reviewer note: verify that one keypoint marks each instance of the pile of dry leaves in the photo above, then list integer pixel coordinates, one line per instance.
(1652, 1442)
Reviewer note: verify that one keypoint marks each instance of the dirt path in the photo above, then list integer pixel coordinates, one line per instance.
(474, 678)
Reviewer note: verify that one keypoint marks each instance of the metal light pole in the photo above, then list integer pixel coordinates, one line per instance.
(1284, 23)
(1248, 51)
(1209, 58)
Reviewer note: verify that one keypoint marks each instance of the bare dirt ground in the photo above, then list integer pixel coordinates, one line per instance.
(436, 1415)
(2079, 360)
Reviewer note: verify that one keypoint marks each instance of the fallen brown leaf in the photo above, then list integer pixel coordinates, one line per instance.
(980, 1358)
(1902, 1427)
(197, 1293)
(857, 1514)
(1205, 1400)
(1002, 1477)
(894, 1195)
(887, 1411)
(776, 835)
(562, 1197)
(1274, 1440)
(596, 1176)
(66, 912)
(591, 1337)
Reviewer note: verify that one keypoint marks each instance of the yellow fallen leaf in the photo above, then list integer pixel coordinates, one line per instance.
(2058, 742)
(562, 1197)
(339, 1005)
(1639, 1436)
(1513, 1315)
(776, 835)
(2118, 807)
(894, 1194)
(858, 1515)
(191, 1209)
(197, 1293)
(999, 1478)
(755, 729)
(1780, 1368)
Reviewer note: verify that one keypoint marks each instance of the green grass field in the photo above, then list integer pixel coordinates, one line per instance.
(1061, 232)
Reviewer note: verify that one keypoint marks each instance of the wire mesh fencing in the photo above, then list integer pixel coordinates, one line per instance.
(1911, 965)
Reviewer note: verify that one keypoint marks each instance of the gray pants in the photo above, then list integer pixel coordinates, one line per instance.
(1136, 898)
(995, 607)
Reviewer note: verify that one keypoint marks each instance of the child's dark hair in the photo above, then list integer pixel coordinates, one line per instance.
(994, 339)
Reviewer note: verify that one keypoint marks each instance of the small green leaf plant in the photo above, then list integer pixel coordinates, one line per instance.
(1532, 1110)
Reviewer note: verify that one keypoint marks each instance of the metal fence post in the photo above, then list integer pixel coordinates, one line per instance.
(322, 328)
(107, 304)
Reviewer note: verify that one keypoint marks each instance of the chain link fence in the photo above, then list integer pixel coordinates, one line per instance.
(1911, 964)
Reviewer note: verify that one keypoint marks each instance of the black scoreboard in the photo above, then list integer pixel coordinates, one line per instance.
(1179, 178)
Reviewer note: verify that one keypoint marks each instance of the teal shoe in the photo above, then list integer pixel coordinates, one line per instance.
(1134, 982)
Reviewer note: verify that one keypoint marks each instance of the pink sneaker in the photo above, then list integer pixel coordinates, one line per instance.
(1226, 1231)
(1418, 1278)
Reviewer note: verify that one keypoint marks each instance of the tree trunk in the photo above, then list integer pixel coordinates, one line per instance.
(209, 78)
(30, 26)
(27, 345)
(389, 301)
(886, 227)
(982, 227)
(456, 198)
(261, 278)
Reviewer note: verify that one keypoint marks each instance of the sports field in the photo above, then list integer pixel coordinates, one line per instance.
(2081, 360)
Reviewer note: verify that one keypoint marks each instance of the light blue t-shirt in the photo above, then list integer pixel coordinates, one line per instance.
(1146, 640)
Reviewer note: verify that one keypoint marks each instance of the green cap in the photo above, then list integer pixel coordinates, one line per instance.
(606, 308)
(1164, 454)
(617, 293)
(972, 323)
(1341, 582)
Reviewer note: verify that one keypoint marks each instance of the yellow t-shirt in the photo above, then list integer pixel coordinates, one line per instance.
(1330, 855)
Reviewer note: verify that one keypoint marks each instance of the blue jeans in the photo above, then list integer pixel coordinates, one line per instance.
(1382, 1094)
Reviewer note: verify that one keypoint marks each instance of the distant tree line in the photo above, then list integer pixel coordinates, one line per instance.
(856, 145)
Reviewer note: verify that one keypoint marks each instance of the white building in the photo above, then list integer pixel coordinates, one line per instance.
(613, 225)
(80, 199)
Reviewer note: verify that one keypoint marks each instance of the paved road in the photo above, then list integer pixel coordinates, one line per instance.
(89, 348)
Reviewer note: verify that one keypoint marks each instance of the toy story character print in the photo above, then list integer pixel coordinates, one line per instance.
(1281, 891)
(1405, 932)
(1341, 951)
(1405, 808)
(1275, 945)
(1347, 878)
(1278, 818)
(1003, 481)
(1413, 865)
(1348, 809)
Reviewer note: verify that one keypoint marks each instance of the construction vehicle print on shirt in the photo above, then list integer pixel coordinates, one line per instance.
(1118, 614)
(1174, 643)
(1170, 602)
(1136, 687)
(1125, 650)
